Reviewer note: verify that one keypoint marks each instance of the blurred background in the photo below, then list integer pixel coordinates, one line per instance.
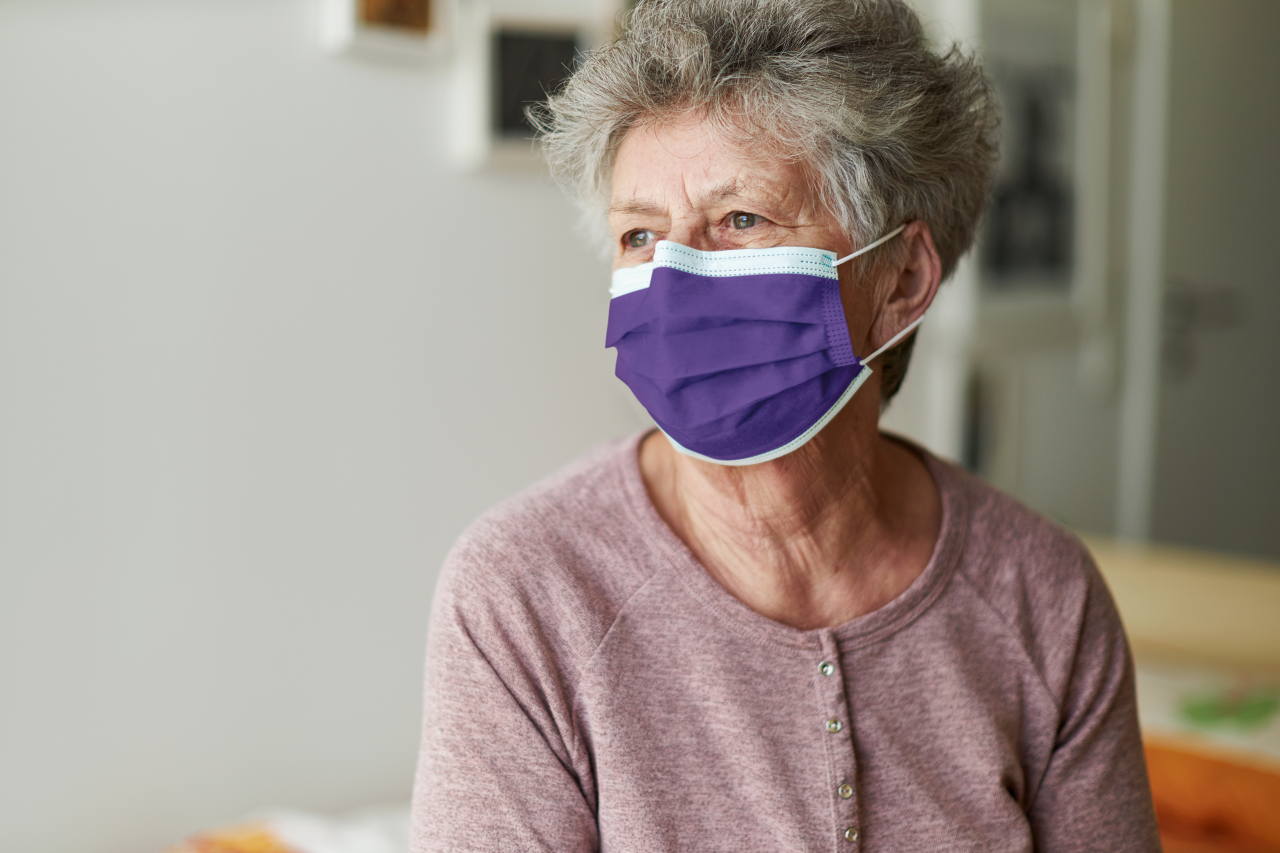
(286, 301)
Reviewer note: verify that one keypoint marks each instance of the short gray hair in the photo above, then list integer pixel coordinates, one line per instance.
(889, 131)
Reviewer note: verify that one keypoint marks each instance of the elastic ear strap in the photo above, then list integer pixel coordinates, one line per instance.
(908, 330)
(867, 248)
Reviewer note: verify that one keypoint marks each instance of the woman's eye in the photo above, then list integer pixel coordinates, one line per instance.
(742, 221)
(638, 239)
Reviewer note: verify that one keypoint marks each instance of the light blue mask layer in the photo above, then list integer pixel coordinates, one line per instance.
(732, 262)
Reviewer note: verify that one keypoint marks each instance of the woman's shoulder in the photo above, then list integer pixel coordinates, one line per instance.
(568, 551)
(1000, 529)
(1033, 575)
(588, 503)
(985, 528)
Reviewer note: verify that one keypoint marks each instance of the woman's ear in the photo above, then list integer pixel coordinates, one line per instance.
(912, 284)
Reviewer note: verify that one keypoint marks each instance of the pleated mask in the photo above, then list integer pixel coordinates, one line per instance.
(740, 356)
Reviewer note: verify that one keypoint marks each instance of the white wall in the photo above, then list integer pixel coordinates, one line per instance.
(263, 354)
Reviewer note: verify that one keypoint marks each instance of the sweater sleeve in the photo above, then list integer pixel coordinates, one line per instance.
(497, 768)
(1094, 795)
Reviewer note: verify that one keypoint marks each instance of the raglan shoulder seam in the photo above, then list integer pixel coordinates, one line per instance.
(575, 689)
(1009, 628)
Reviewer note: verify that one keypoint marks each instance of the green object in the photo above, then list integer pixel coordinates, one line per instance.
(1244, 708)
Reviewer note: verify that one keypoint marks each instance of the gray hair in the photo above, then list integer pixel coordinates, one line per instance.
(888, 130)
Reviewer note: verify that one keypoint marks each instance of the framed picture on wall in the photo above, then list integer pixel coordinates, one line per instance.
(502, 65)
(528, 63)
(408, 30)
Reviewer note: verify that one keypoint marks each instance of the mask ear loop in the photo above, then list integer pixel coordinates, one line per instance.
(908, 330)
(916, 322)
(867, 248)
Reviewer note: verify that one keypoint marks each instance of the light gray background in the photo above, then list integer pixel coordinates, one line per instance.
(263, 354)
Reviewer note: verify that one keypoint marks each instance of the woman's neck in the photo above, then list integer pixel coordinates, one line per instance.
(827, 533)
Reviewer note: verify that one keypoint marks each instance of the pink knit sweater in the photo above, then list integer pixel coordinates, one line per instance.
(590, 687)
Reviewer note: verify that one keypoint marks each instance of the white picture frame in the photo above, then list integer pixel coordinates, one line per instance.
(344, 31)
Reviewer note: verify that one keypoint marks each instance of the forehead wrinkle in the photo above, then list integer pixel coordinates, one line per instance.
(719, 193)
(726, 191)
(731, 190)
(780, 195)
(744, 187)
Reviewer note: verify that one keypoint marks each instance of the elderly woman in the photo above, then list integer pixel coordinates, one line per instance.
(766, 625)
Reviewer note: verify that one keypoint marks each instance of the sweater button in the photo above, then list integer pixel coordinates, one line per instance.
(851, 834)
(845, 791)
(826, 668)
(834, 725)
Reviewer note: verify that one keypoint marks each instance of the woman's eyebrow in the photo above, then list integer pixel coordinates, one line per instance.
(722, 192)
(637, 207)
(755, 193)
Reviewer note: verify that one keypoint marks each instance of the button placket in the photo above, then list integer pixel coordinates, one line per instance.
(837, 730)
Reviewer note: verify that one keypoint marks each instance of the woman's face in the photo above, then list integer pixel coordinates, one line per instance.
(678, 181)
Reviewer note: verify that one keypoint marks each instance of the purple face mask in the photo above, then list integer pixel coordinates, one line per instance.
(739, 356)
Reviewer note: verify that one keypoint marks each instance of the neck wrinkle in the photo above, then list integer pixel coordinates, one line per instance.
(810, 540)
(795, 505)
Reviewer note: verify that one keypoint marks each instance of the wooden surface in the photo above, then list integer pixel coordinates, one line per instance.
(1207, 803)
(1194, 605)
(1205, 609)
